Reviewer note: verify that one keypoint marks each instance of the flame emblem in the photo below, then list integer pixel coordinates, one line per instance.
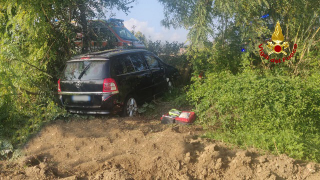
(277, 38)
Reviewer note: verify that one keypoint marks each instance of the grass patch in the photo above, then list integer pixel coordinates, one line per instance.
(272, 112)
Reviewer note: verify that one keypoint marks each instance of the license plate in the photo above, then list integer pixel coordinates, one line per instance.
(81, 98)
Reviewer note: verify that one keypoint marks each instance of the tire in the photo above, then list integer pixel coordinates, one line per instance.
(170, 85)
(130, 107)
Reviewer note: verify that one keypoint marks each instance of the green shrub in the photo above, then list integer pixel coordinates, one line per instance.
(5, 148)
(177, 97)
(20, 119)
(146, 107)
(272, 112)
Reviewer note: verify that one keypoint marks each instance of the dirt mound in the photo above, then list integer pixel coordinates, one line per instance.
(127, 148)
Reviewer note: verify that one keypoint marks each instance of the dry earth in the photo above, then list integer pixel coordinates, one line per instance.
(133, 148)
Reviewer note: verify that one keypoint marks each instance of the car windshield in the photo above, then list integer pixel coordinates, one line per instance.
(124, 33)
(85, 70)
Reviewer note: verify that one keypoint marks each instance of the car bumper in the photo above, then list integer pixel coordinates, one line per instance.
(74, 111)
(98, 104)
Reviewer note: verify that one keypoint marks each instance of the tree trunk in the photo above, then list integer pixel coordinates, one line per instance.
(83, 23)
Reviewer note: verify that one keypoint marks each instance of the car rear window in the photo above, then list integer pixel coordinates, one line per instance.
(85, 70)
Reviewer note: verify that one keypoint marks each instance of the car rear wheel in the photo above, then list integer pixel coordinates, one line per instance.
(130, 108)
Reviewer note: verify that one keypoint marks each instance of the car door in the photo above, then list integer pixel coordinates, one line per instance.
(121, 70)
(158, 73)
(143, 75)
(132, 76)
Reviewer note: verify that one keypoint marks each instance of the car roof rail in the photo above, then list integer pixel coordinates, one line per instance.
(102, 52)
(106, 53)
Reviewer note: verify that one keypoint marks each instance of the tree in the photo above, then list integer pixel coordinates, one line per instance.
(254, 102)
(251, 23)
(36, 39)
(141, 37)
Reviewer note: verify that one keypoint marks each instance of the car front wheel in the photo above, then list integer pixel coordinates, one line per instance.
(170, 85)
(130, 108)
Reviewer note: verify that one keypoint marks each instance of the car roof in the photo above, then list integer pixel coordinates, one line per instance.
(105, 55)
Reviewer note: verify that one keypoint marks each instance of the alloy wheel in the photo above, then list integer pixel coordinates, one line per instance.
(132, 107)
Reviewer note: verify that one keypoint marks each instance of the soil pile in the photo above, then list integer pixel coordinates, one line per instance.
(131, 148)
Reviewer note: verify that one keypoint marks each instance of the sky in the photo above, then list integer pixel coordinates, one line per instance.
(146, 16)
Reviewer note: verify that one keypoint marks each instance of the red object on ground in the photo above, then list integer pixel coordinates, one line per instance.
(186, 120)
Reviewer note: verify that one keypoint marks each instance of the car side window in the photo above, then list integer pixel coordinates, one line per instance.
(138, 62)
(122, 65)
(152, 61)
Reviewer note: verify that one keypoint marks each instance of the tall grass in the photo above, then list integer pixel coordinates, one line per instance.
(272, 112)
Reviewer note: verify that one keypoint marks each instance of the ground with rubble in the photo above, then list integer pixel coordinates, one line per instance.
(139, 148)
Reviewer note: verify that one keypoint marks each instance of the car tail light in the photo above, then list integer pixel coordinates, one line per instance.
(109, 85)
(59, 87)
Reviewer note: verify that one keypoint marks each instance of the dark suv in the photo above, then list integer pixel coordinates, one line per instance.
(113, 81)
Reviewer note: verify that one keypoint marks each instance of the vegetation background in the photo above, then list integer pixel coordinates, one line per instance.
(253, 101)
